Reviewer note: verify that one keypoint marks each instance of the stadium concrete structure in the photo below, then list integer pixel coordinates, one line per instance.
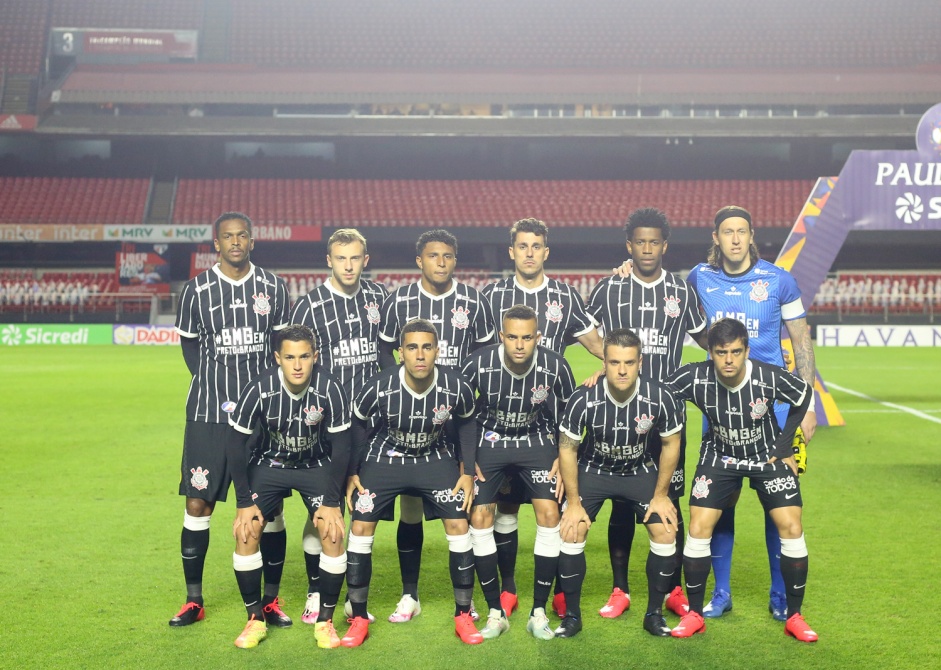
(121, 120)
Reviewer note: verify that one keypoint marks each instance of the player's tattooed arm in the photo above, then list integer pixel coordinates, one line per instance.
(806, 364)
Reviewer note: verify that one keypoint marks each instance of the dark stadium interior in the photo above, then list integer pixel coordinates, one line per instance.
(390, 116)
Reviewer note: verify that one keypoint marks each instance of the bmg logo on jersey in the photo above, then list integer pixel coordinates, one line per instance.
(779, 484)
(239, 341)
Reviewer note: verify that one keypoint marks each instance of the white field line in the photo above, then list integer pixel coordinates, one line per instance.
(891, 405)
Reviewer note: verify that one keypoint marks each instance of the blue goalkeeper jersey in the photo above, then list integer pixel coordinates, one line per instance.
(762, 298)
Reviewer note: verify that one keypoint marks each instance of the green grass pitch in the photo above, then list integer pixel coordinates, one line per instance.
(91, 570)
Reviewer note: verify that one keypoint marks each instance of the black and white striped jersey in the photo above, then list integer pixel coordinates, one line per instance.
(293, 427)
(410, 425)
(660, 313)
(461, 316)
(560, 310)
(234, 321)
(742, 426)
(347, 330)
(511, 406)
(616, 435)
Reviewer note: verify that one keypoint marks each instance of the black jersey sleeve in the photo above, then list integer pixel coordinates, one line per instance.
(190, 347)
(236, 454)
(340, 446)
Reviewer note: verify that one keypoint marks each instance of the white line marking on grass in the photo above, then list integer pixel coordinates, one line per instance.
(892, 405)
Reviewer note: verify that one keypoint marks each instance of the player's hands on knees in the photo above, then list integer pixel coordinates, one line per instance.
(663, 507)
(329, 523)
(809, 426)
(248, 523)
(556, 477)
(480, 475)
(352, 484)
(624, 269)
(591, 381)
(572, 519)
(465, 483)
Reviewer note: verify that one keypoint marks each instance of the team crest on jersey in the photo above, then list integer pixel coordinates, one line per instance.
(644, 423)
(759, 408)
(314, 415)
(262, 304)
(200, 478)
(540, 393)
(759, 291)
(554, 311)
(372, 313)
(442, 414)
(701, 487)
(364, 502)
(461, 318)
(671, 306)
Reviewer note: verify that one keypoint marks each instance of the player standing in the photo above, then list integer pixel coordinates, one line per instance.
(515, 382)
(226, 318)
(661, 308)
(616, 460)
(411, 452)
(736, 283)
(304, 417)
(344, 313)
(744, 441)
(464, 322)
(561, 316)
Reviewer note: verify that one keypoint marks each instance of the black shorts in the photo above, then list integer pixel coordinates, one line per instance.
(431, 480)
(635, 489)
(678, 481)
(270, 486)
(775, 483)
(528, 466)
(204, 471)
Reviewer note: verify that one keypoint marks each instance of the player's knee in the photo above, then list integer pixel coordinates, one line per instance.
(362, 529)
(789, 527)
(660, 535)
(198, 507)
(456, 527)
(506, 522)
(482, 517)
(547, 515)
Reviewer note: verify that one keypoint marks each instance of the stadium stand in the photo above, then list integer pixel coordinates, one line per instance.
(595, 34)
(165, 14)
(23, 290)
(387, 203)
(879, 293)
(72, 200)
(22, 35)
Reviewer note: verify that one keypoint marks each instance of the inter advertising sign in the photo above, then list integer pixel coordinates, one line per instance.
(145, 335)
(17, 334)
